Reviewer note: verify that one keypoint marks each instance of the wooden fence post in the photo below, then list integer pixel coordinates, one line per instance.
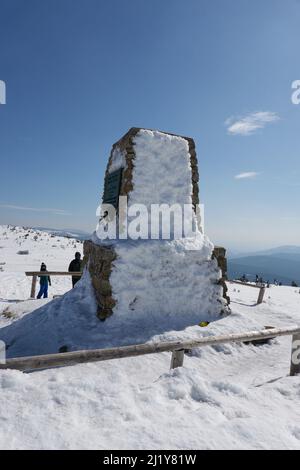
(33, 285)
(35, 274)
(261, 295)
(177, 359)
(295, 361)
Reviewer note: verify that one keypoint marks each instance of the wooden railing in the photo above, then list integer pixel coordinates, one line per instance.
(35, 274)
(262, 289)
(176, 347)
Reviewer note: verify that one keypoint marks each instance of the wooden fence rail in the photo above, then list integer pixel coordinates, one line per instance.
(176, 347)
(35, 274)
(262, 289)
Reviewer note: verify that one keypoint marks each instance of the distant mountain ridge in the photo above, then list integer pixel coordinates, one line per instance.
(285, 249)
(281, 263)
(73, 233)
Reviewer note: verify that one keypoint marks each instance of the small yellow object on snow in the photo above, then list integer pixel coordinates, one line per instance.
(203, 324)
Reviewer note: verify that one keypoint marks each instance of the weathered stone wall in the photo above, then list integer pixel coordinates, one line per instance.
(195, 172)
(125, 145)
(219, 254)
(99, 262)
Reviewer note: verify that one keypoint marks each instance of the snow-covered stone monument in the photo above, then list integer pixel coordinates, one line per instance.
(149, 256)
(150, 273)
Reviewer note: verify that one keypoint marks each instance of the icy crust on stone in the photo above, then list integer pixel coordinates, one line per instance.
(166, 280)
(117, 160)
(161, 278)
(162, 171)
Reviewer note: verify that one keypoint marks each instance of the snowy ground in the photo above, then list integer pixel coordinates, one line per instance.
(55, 252)
(230, 396)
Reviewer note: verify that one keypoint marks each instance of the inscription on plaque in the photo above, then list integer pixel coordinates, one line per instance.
(112, 186)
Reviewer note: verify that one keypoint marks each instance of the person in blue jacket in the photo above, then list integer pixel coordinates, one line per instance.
(44, 282)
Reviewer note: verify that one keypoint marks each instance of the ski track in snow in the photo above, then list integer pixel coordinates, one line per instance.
(225, 397)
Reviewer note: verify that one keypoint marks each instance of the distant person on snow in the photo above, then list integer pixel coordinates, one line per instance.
(75, 267)
(44, 282)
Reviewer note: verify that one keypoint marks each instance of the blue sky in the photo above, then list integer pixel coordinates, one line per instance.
(80, 73)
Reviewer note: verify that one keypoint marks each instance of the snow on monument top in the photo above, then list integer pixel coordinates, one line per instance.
(158, 167)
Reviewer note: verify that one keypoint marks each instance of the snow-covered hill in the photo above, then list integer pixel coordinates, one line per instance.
(56, 252)
(231, 396)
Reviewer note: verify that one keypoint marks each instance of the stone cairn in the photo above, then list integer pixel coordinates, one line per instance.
(99, 259)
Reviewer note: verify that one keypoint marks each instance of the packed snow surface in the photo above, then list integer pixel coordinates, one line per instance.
(228, 396)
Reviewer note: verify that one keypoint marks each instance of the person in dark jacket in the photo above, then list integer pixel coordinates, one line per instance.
(76, 266)
(44, 282)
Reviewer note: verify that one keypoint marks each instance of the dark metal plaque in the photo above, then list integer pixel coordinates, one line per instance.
(112, 186)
